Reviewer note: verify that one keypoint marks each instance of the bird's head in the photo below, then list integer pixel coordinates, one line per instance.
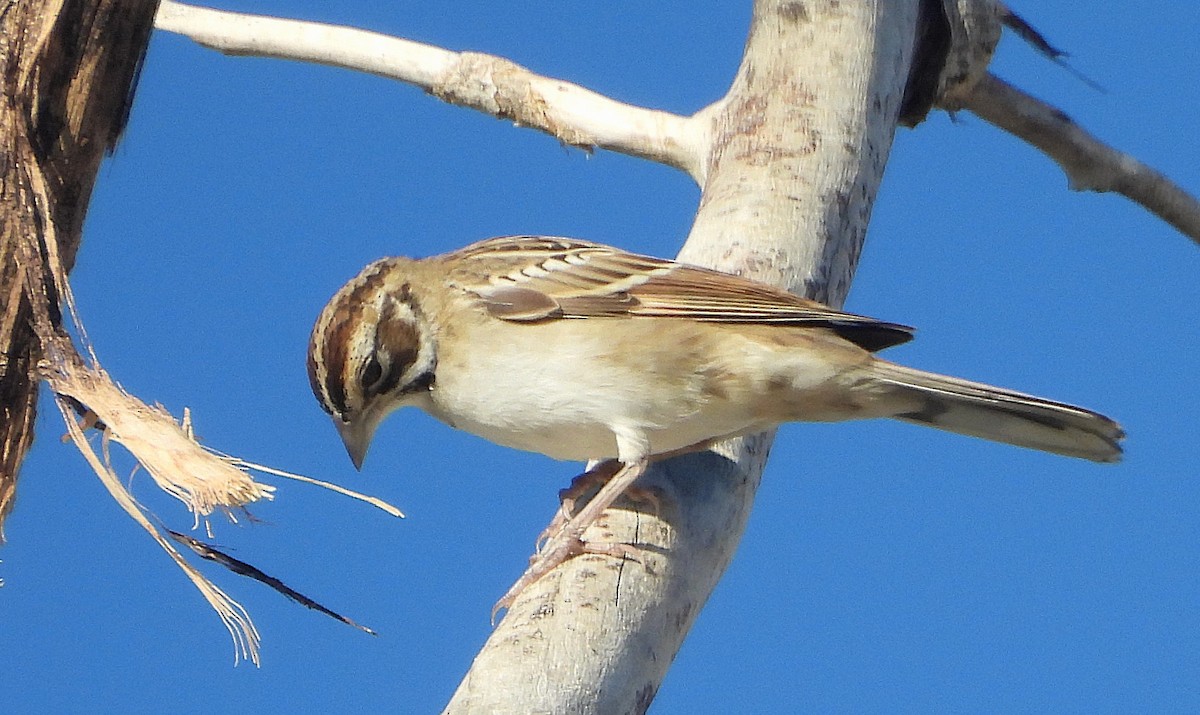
(371, 352)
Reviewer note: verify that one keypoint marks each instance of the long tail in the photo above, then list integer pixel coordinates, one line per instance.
(1001, 415)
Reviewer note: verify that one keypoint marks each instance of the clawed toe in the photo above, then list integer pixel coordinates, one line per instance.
(555, 552)
(563, 538)
(558, 552)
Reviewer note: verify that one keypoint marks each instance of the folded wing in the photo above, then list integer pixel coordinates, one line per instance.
(540, 278)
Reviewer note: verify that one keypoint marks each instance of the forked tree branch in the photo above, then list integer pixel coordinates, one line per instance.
(789, 162)
(583, 118)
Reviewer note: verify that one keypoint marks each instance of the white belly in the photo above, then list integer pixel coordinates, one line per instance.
(566, 394)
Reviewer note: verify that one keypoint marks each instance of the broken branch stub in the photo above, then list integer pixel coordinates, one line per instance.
(177, 463)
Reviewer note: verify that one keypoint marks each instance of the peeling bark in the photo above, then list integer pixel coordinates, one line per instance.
(68, 69)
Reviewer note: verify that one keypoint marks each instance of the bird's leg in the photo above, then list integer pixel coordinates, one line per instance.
(594, 478)
(597, 476)
(562, 539)
(569, 542)
(589, 481)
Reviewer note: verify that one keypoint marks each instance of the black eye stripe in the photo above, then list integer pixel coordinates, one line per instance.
(371, 373)
(390, 380)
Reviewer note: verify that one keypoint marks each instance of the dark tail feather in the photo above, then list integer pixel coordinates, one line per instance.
(1000, 415)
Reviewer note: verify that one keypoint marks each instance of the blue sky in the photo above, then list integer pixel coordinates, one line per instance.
(885, 568)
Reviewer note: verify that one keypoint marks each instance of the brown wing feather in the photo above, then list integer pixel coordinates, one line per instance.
(539, 278)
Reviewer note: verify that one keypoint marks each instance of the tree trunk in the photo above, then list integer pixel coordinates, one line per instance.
(68, 69)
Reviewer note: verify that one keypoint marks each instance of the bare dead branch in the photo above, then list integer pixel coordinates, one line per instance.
(580, 117)
(1090, 164)
(575, 116)
(597, 633)
(67, 70)
(234, 617)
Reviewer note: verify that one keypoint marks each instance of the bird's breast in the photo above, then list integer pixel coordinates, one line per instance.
(565, 387)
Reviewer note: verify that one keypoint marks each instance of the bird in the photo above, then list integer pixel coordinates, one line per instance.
(585, 352)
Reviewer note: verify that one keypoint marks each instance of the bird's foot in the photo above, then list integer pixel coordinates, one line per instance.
(639, 495)
(557, 552)
(591, 480)
(564, 537)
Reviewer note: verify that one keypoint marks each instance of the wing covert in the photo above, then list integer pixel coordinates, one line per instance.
(531, 278)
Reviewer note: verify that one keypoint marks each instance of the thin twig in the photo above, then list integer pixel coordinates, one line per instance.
(1090, 164)
(1035, 39)
(373, 501)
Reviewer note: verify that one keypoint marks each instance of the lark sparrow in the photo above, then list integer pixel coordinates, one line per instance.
(582, 351)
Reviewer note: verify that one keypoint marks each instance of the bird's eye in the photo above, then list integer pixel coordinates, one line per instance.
(371, 374)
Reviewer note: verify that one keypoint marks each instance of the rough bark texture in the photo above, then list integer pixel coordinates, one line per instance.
(68, 69)
(797, 150)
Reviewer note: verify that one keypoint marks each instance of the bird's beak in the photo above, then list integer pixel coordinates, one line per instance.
(356, 436)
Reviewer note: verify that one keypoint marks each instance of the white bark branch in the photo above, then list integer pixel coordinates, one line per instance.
(1090, 164)
(799, 146)
(493, 85)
